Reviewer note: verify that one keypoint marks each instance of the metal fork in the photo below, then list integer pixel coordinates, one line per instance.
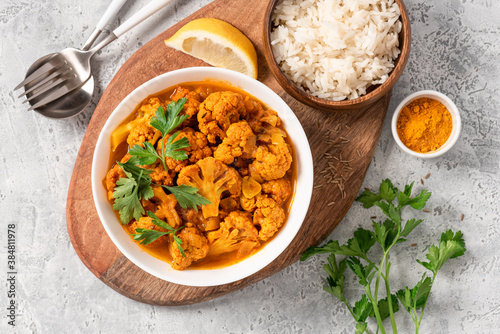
(69, 69)
(53, 69)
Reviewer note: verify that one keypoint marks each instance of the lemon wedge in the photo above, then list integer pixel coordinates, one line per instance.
(217, 43)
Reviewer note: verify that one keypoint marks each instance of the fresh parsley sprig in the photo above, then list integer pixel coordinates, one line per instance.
(130, 190)
(166, 122)
(386, 234)
(147, 236)
(147, 155)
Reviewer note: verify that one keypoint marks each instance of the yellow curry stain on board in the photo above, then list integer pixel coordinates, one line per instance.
(424, 125)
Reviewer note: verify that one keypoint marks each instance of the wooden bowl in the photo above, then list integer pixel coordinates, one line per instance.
(374, 93)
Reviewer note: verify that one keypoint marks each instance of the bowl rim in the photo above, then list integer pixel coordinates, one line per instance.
(248, 266)
(344, 105)
(452, 108)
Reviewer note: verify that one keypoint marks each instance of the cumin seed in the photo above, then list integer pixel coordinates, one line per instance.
(421, 181)
(427, 175)
(319, 186)
(330, 204)
(425, 210)
(413, 245)
(462, 217)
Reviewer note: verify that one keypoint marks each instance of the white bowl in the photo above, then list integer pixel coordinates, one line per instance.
(455, 118)
(236, 271)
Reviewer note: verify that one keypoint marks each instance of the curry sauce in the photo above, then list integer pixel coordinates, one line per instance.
(233, 134)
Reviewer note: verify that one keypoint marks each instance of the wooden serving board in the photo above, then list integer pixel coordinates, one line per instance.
(342, 141)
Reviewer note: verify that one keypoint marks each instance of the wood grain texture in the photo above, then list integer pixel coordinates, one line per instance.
(343, 141)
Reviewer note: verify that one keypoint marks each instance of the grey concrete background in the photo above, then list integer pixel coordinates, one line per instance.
(455, 50)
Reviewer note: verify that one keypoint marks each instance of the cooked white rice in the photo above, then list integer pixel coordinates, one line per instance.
(336, 49)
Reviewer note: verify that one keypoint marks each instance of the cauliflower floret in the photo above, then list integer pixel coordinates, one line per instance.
(144, 115)
(269, 216)
(166, 207)
(195, 247)
(236, 233)
(191, 106)
(147, 223)
(212, 178)
(197, 150)
(217, 112)
(141, 133)
(279, 190)
(160, 175)
(271, 162)
(113, 175)
(240, 141)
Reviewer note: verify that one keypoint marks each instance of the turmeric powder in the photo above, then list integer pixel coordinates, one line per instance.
(424, 125)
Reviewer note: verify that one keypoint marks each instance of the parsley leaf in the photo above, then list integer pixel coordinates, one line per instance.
(365, 274)
(362, 309)
(335, 277)
(129, 191)
(368, 198)
(409, 226)
(451, 246)
(383, 307)
(415, 298)
(147, 236)
(387, 190)
(147, 155)
(173, 149)
(166, 122)
(187, 196)
(419, 201)
(358, 246)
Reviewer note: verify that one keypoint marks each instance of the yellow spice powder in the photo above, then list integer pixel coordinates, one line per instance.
(424, 125)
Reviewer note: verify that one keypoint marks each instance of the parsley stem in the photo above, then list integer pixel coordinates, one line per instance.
(375, 308)
(389, 298)
(163, 152)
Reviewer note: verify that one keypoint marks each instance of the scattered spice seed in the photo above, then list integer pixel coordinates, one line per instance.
(421, 181)
(359, 153)
(368, 189)
(425, 210)
(413, 245)
(427, 175)
(373, 217)
(319, 186)
(462, 217)
(330, 204)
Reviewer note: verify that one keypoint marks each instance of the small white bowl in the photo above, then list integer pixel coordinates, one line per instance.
(455, 117)
(241, 269)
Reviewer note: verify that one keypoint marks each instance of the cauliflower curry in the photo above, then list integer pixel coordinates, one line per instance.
(205, 183)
